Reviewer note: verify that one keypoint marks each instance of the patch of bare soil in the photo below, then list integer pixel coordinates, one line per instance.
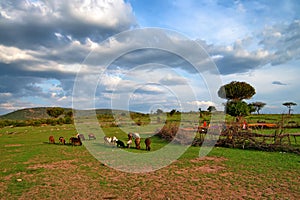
(13, 145)
(209, 158)
(64, 164)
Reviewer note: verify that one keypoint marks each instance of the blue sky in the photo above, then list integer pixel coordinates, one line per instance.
(45, 44)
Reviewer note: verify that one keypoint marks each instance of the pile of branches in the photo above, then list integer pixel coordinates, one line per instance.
(233, 137)
(172, 133)
(246, 139)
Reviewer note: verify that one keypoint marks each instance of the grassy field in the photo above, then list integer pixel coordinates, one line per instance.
(33, 169)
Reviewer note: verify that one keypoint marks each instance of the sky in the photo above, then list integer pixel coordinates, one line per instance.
(145, 55)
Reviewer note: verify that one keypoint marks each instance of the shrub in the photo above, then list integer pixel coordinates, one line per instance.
(168, 132)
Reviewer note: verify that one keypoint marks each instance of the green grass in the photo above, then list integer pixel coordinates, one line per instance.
(57, 172)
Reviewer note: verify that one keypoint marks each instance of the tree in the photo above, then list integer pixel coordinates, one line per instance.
(172, 112)
(55, 112)
(257, 106)
(252, 109)
(69, 114)
(236, 91)
(211, 108)
(237, 108)
(159, 111)
(289, 106)
(200, 115)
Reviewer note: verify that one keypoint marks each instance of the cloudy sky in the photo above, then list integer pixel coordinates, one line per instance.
(90, 53)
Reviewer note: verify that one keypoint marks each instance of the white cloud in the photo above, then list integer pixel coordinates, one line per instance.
(5, 95)
(4, 14)
(202, 104)
(62, 98)
(13, 54)
(37, 23)
(42, 40)
(170, 79)
(102, 12)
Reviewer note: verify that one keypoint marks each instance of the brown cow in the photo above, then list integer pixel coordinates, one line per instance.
(51, 139)
(148, 143)
(137, 142)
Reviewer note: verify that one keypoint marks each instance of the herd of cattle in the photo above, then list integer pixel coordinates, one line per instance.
(112, 141)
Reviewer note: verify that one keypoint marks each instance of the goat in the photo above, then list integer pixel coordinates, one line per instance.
(120, 144)
(133, 135)
(62, 140)
(75, 141)
(92, 136)
(107, 140)
(81, 137)
(136, 135)
(110, 140)
(51, 139)
(114, 140)
(129, 143)
(129, 136)
(148, 143)
(137, 142)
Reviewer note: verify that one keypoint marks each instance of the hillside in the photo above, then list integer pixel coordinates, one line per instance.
(27, 113)
(41, 113)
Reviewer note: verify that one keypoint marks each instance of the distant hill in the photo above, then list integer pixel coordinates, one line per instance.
(27, 113)
(41, 113)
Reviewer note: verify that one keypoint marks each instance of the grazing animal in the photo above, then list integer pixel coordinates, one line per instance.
(148, 143)
(129, 136)
(110, 140)
(51, 139)
(62, 140)
(129, 143)
(92, 136)
(107, 140)
(114, 140)
(81, 136)
(75, 141)
(136, 135)
(137, 142)
(120, 144)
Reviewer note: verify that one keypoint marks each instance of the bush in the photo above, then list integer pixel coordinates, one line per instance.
(168, 132)
(237, 108)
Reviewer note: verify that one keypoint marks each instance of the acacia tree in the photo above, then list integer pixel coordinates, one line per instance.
(257, 106)
(235, 92)
(211, 108)
(289, 106)
(159, 111)
(172, 112)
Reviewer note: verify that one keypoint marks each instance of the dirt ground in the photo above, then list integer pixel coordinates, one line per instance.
(201, 178)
